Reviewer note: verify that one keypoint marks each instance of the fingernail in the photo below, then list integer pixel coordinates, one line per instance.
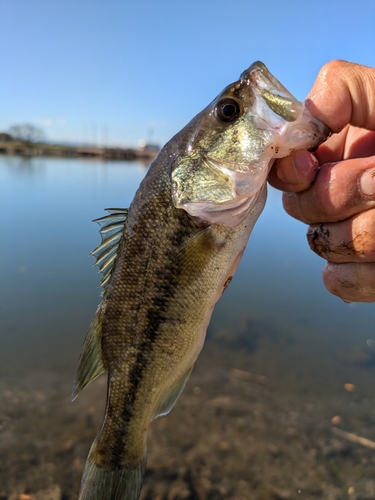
(305, 164)
(367, 182)
(302, 168)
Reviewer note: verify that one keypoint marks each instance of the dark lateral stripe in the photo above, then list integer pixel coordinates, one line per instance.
(166, 281)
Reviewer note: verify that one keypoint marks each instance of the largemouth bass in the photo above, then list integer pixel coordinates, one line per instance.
(169, 257)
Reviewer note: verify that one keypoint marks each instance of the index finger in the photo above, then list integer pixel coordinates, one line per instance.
(344, 93)
(351, 142)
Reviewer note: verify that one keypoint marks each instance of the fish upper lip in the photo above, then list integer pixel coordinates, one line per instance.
(263, 82)
(260, 77)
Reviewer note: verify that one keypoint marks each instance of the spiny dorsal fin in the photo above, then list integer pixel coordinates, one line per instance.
(172, 395)
(111, 228)
(91, 361)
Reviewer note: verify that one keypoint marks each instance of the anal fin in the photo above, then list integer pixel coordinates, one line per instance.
(91, 361)
(172, 395)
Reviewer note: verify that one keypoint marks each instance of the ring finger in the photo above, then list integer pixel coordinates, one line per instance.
(351, 240)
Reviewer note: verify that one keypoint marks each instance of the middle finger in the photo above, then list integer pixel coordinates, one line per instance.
(340, 191)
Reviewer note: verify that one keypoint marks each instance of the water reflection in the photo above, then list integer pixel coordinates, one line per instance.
(276, 321)
(47, 235)
(23, 165)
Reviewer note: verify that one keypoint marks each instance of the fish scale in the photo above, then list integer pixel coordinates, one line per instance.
(169, 257)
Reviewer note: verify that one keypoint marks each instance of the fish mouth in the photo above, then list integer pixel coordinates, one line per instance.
(260, 77)
(274, 94)
(277, 109)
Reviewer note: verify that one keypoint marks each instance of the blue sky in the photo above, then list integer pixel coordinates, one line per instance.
(119, 71)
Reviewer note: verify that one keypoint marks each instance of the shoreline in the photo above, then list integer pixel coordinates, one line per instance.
(55, 150)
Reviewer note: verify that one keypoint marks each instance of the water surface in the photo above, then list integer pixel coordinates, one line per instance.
(294, 344)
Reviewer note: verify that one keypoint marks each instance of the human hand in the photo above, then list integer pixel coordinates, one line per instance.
(333, 190)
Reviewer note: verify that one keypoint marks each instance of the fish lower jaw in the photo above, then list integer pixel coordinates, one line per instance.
(285, 136)
(295, 137)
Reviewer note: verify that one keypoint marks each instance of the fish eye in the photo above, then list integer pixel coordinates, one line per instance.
(228, 110)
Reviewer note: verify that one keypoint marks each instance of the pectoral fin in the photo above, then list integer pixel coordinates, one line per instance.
(171, 397)
(91, 360)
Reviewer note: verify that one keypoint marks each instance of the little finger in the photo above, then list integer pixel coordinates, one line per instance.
(351, 282)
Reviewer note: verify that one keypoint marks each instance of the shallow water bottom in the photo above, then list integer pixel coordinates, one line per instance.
(244, 428)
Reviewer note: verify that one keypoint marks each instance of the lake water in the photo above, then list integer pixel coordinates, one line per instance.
(279, 350)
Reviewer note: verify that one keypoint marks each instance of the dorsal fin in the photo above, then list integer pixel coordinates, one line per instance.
(111, 228)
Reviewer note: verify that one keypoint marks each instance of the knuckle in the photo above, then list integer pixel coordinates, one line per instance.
(289, 203)
(330, 69)
(333, 68)
(292, 206)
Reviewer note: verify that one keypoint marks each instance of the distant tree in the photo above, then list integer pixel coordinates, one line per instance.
(27, 133)
(5, 137)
